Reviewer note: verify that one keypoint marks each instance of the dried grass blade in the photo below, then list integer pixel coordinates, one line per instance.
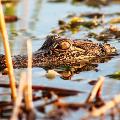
(95, 90)
(28, 97)
(19, 98)
(7, 54)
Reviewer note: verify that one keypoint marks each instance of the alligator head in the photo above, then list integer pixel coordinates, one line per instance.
(61, 51)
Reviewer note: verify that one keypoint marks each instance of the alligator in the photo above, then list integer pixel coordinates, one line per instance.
(59, 51)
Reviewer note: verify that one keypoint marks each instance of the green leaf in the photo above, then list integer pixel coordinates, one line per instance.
(115, 75)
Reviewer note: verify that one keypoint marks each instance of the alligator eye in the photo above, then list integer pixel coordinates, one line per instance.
(65, 45)
(62, 45)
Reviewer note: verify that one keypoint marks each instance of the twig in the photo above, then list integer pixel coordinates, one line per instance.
(54, 99)
(60, 103)
(28, 91)
(95, 90)
(8, 1)
(109, 105)
(19, 98)
(30, 114)
(58, 91)
(11, 18)
(7, 54)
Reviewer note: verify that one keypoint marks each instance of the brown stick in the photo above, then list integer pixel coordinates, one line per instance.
(95, 90)
(6, 1)
(61, 91)
(109, 105)
(7, 54)
(19, 98)
(28, 91)
(60, 103)
(10, 18)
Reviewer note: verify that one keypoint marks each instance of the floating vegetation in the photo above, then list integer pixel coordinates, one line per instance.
(97, 3)
(51, 74)
(110, 33)
(115, 75)
(115, 20)
(57, 1)
(75, 24)
(11, 18)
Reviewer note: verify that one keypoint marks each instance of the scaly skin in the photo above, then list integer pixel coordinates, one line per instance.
(60, 51)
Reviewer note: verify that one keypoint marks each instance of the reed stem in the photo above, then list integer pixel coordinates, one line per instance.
(19, 98)
(28, 97)
(7, 54)
(95, 90)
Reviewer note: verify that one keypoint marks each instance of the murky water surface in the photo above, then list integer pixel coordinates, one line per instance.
(37, 19)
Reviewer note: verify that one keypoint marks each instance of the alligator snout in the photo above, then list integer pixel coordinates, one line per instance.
(109, 49)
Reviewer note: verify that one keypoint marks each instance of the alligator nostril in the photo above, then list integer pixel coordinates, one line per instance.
(109, 49)
(114, 50)
(49, 52)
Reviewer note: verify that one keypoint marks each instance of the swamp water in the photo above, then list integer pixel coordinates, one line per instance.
(37, 18)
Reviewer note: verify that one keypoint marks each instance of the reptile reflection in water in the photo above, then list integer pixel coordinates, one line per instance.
(72, 70)
(60, 51)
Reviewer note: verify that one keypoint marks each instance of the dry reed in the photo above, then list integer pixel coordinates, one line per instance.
(28, 92)
(19, 97)
(7, 54)
(102, 110)
(95, 90)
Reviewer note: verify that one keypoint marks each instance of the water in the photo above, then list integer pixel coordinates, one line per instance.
(37, 19)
